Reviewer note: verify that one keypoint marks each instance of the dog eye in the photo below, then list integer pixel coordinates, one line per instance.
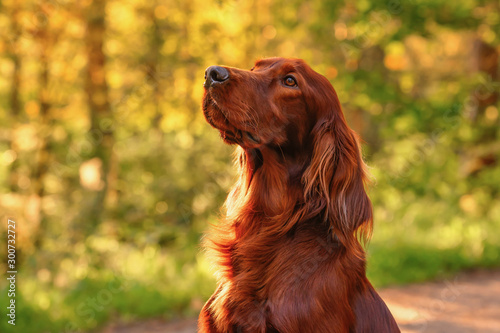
(290, 81)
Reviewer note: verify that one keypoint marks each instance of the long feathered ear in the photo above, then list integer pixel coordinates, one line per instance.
(335, 179)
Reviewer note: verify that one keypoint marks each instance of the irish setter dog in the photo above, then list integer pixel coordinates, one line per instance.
(288, 247)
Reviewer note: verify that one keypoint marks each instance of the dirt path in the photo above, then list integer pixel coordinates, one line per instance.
(468, 303)
(464, 304)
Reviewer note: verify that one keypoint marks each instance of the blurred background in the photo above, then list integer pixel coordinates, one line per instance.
(112, 174)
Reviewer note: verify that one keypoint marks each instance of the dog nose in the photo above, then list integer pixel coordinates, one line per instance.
(215, 74)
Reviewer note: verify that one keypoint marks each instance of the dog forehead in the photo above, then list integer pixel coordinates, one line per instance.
(268, 62)
(287, 64)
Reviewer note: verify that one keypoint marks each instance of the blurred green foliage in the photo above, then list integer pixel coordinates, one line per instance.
(418, 80)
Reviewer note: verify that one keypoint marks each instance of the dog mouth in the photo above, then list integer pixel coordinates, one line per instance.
(230, 132)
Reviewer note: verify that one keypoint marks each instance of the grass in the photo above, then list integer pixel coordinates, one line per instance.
(411, 263)
(157, 285)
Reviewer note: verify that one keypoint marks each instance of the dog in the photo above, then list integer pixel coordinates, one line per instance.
(288, 249)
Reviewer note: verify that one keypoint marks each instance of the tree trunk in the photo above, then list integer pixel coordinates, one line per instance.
(153, 64)
(485, 150)
(101, 128)
(45, 42)
(485, 60)
(15, 103)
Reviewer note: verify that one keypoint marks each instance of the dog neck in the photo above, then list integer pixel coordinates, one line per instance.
(268, 190)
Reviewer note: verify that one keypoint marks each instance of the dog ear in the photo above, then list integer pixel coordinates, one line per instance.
(335, 178)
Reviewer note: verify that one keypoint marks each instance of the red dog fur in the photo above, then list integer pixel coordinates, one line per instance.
(287, 250)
